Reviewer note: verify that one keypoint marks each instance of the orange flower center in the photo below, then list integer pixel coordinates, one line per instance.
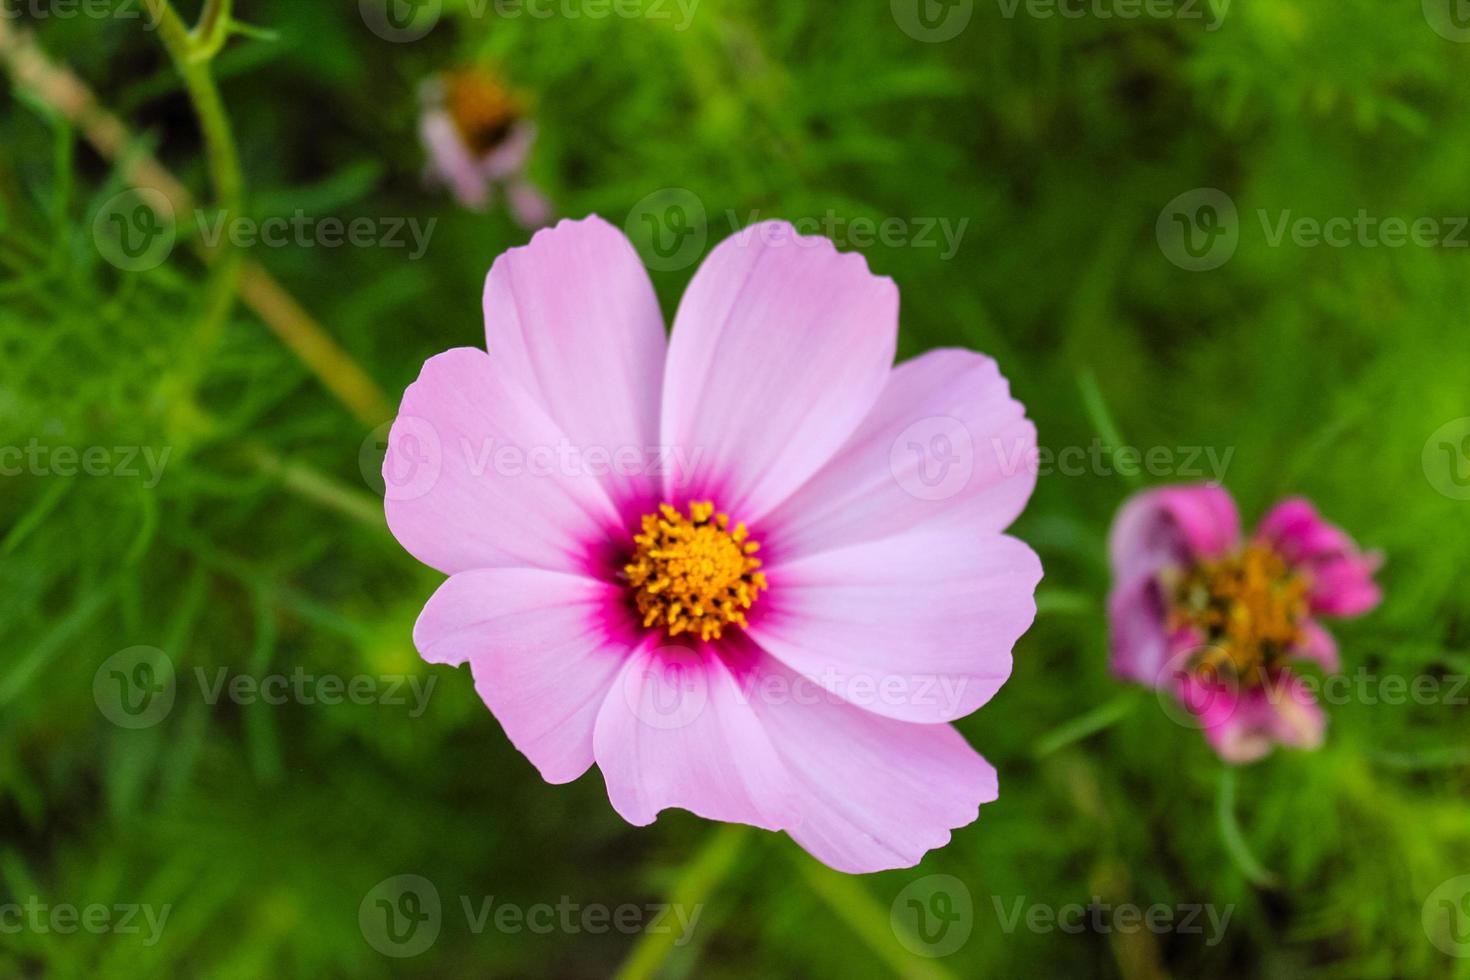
(1249, 606)
(694, 574)
(482, 109)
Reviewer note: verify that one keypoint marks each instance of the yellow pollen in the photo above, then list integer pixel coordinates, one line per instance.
(1250, 606)
(694, 574)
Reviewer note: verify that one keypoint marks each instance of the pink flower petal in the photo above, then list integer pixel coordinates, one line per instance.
(1172, 526)
(528, 206)
(1243, 726)
(1154, 530)
(1318, 645)
(918, 626)
(450, 160)
(544, 647)
(509, 158)
(1341, 575)
(781, 346)
(675, 731)
(572, 317)
(466, 485)
(944, 442)
(875, 793)
(1139, 638)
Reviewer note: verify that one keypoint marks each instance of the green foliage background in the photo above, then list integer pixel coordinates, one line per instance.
(1060, 139)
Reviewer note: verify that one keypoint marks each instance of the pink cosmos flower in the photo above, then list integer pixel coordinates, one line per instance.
(751, 570)
(1217, 620)
(477, 140)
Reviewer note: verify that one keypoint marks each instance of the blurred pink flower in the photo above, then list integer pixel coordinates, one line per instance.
(793, 666)
(477, 140)
(1217, 621)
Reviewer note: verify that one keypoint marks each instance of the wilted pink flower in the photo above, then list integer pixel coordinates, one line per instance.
(791, 665)
(477, 139)
(1217, 620)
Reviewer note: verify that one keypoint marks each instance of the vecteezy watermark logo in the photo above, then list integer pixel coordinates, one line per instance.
(933, 458)
(1450, 19)
(570, 917)
(136, 230)
(1187, 697)
(945, 692)
(669, 227)
(401, 915)
(64, 918)
(134, 688)
(1363, 230)
(1199, 229)
(652, 10)
(669, 691)
(305, 231)
(71, 9)
(68, 461)
(939, 233)
(932, 21)
(1446, 459)
(402, 459)
(933, 916)
(1099, 459)
(1101, 918)
(1195, 685)
(1446, 917)
(1183, 10)
(401, 21)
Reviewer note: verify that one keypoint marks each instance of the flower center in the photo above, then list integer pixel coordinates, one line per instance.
(482, 110)
(1250, 606)
(694, 574)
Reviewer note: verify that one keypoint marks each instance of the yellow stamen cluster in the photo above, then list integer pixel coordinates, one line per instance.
(694, 574)
(1249, 605)
(482, 108)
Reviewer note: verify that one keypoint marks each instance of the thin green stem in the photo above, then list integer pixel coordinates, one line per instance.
(1234, 839)
(317, 487)
(36, 77)
(698, 879)
(213, 29)
(868, 919)
(1089, 723)
(191, 52)
(1102, 419)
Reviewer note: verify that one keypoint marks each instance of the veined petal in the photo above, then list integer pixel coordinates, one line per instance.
(945, 442)
(544, 648)
(918, 626)
(464, 488)
(573, 319)
(675, 731)
(780, 347)
(874, 793)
